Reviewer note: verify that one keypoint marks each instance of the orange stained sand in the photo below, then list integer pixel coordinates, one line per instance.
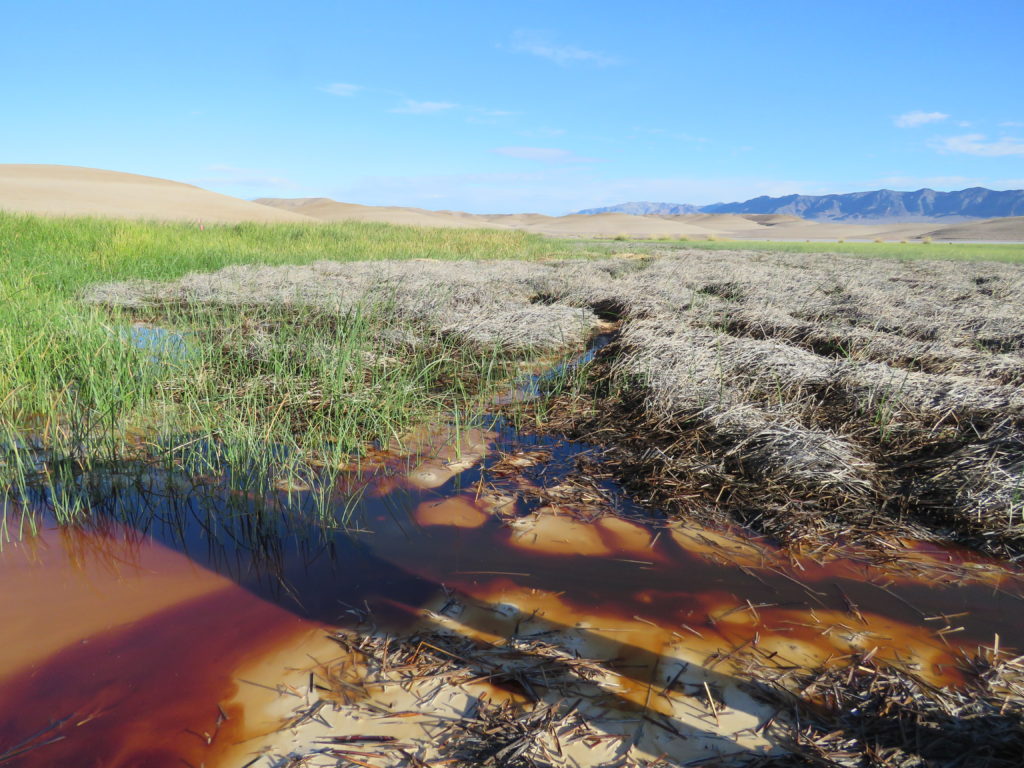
(443, 453)
(638, 651)
(443, 442)
(431, 474)
(455, 511)
(556, 534)
(704, 541)
(625, 537)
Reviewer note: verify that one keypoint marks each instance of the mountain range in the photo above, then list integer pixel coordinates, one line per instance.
(877, 205)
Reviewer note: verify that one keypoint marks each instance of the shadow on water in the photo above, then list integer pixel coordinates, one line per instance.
(386, 562)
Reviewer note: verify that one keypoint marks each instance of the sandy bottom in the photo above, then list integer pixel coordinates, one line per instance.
(388, 715)
(645, 688)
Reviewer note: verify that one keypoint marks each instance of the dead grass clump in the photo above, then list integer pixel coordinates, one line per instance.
(490, 305)
(864, 344)
(870, 714)
(978, 487)
(507, 735)
(803, 394)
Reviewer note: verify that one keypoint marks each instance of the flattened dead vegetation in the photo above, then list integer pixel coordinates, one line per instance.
(799, 394)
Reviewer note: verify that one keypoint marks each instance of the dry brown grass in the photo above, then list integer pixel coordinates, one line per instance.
(870, 715)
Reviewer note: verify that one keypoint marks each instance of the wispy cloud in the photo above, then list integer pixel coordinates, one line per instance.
(917, 117)
(1011, 124)
(543, 154)
(483, 116)
(980, 145)
(413, 107)
(541, 44)
(342, 89)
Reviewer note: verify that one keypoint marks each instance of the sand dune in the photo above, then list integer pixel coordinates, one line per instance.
(325, 209)
(63, 190)
(1010, 228)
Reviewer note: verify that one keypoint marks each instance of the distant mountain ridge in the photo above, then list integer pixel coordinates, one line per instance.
(879, 204)
(644, 209)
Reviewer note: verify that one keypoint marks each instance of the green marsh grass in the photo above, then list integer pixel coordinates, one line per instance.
(75, 391)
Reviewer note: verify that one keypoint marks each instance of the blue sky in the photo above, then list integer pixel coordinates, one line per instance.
(527, 106)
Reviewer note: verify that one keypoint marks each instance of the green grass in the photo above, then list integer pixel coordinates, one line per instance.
(1005, 252)
(75, 392)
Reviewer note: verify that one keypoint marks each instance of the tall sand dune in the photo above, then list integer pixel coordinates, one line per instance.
(1010, 228)
(325, 209)
(64, 190)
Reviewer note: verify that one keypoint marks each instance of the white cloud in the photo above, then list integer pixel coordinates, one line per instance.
(1011, 124)
(483, 116)
(539, 44)
(342, 89)
(543, 154)
(917, 117)
(412, 107)
(978, 144)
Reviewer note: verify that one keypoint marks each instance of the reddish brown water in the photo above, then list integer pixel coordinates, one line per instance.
(118, 652)
(122, 638)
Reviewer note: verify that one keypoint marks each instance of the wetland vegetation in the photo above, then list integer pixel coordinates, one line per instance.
(786, 534)
(83, 382)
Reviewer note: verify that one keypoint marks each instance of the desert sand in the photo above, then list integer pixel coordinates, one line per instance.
(1008, 228)
(61, 190)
